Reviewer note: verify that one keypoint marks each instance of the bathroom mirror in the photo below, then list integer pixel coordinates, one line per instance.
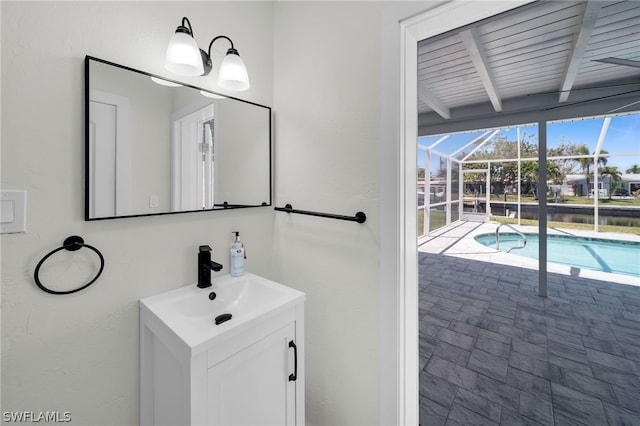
(155, 148)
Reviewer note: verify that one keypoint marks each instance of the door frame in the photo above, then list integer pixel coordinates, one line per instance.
(402, 26)
(187, 136)
(478, 217)
(122, 155)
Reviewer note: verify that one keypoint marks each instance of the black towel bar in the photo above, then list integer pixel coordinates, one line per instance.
(359, 217)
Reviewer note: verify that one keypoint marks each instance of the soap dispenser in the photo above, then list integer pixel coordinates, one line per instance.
(237, 256)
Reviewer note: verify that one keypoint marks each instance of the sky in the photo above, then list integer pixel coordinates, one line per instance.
(623, 136)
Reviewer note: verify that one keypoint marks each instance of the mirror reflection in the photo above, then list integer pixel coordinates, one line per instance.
(158, 147)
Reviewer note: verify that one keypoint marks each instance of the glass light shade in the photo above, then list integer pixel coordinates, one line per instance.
(212, 95)
(183, 55)
(233, 73)
(164, 82)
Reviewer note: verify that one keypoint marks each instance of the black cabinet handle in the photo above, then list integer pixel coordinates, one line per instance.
(294, 376)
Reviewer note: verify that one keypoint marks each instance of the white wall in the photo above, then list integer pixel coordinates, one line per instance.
(79, 353)
(318, 64)
(327, 126)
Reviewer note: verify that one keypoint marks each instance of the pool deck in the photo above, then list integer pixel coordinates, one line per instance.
(492, 352)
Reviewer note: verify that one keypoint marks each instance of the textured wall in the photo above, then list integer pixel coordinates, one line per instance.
(318, 64)
(79, 353)
(327, 103)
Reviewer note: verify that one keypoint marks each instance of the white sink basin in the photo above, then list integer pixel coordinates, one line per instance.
(191, 314)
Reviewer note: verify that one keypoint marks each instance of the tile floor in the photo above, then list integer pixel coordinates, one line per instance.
(493, 352)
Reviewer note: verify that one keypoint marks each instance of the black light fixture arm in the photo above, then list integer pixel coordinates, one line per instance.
(206, 56)
(184, 29)
(231, 50)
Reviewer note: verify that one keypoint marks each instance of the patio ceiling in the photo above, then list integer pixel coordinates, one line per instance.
(542, 55)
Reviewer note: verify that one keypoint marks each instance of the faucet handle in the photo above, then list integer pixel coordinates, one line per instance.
(205, 249)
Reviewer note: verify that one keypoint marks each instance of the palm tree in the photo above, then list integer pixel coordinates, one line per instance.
(614, 175)
(587, 162)
(529, 175)
(635, 169)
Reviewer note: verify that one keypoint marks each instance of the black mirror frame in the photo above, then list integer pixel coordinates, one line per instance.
(225, 206)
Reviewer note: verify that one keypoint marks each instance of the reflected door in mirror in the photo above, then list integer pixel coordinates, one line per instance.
(109, 148)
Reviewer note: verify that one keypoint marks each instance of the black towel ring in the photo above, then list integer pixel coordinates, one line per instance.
(72, 243)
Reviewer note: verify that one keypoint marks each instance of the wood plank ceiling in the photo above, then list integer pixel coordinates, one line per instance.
(547, 46)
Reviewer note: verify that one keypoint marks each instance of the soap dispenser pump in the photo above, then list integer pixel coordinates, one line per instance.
(237, 256)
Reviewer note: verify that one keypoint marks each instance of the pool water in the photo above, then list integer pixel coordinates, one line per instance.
(617, 257)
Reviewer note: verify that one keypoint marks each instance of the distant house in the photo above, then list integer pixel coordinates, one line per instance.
(574, 185)
(437, 190)
(631, 182)
(577, 185)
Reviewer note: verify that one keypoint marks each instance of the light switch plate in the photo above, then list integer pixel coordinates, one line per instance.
(13, 212)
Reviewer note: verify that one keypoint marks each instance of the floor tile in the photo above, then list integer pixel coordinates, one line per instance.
(617, 377)
(464, 416)
(529, 383)
(494, 336)
(493, 346)
(628, 398)
(530, 349)
(563, 337)
(496, 353)
(497, 391)
(478, 404)
(631, 351)
(513, 418)
(603, 345)
(530, 365)
(588, 385)
(612, 361)
(558, 363)
(619, 416)
(577, 405)
(572, 353)
(432, 413)
(455, 338)
(536, 408)
(452, 353)
(437, 389)
(451, 372)
(488, 364)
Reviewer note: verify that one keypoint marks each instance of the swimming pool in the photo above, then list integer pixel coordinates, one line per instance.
(617, 257)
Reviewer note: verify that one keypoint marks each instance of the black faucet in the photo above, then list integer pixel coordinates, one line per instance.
(205, 265)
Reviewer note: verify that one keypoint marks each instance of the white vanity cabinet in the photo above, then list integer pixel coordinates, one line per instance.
(248, 370)
(252, 386)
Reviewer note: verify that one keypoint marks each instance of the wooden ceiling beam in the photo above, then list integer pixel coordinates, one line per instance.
(471, 40)
(580, 43)
(433, 101)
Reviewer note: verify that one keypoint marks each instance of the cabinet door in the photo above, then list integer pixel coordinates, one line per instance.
(252, 387)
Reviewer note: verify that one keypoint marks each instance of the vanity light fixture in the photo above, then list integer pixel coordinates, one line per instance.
(184, 57)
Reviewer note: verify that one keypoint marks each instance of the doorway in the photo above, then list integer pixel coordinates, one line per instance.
(109, 155)
(476, 199)
(403, 27)
(193, 165)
